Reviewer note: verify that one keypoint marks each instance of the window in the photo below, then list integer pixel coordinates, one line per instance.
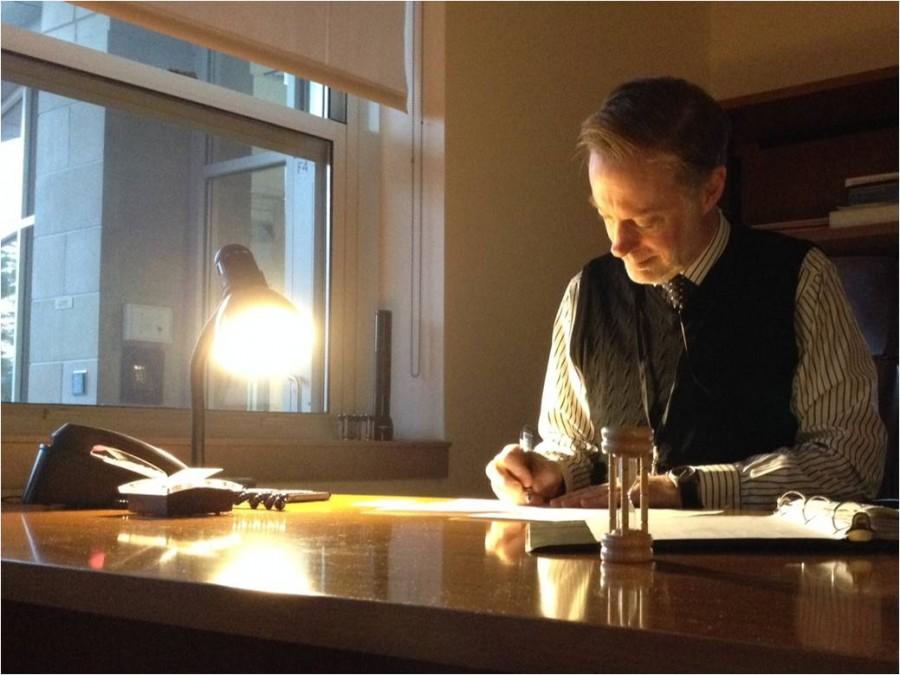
(110, 228)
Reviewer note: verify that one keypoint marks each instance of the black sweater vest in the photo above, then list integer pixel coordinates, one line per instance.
(733, 393)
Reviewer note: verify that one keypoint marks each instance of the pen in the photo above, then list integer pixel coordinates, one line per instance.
(526, 442)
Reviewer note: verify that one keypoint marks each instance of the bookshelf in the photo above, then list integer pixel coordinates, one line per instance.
(864, 240)
(793, 148)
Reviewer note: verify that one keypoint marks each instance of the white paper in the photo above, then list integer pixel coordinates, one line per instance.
(676, 524)
(492, 509)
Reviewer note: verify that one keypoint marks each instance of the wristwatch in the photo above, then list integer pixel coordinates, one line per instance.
(687, 480)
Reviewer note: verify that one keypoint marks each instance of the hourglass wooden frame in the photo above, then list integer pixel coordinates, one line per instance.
(625, 448)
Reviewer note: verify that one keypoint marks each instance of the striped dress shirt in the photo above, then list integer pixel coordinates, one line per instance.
(840, 441)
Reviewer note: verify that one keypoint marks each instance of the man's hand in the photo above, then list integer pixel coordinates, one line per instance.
(515, 474)
(661, 494)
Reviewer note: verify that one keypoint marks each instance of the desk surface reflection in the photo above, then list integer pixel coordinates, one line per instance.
(460, 591)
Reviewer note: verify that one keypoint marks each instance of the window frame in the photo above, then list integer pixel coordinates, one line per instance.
(346, 379)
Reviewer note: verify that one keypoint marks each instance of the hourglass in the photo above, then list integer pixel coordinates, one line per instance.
(629, 451)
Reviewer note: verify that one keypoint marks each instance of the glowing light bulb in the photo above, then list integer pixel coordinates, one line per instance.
(263, 340)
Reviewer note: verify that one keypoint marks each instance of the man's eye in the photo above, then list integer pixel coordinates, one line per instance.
(648, 223)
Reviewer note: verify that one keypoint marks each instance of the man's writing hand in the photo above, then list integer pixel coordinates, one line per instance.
(514, 471)
(661, 494)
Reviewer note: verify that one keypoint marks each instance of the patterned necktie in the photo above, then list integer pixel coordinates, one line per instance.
(677, 291)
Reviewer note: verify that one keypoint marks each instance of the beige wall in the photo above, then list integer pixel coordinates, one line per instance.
(520, 78)
(757, 46)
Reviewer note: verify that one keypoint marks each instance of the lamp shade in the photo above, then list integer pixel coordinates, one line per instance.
(259, 333)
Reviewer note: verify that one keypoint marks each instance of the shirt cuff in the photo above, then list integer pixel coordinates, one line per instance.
(720, 486)
(576, 471)
(576, 475)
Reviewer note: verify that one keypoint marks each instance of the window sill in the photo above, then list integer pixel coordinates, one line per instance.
(270, 448)
(321, 461)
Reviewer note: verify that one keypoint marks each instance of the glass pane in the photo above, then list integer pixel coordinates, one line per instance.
(64, 21)
(12, 122)
(9, 267)
(223, 149)
(128, 214)
(249, 208)
(12, 160)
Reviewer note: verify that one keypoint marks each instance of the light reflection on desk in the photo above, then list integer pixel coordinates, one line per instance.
(563, 583)
(268, 567)
(565, 586)
(839, 605)
(170, 548)
(628, 587)
(255, 555)
(249, 557)
(410, 578)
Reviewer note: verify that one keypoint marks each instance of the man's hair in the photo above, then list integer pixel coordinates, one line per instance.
(662, 118)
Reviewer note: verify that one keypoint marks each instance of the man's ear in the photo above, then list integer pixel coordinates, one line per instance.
(713, 188)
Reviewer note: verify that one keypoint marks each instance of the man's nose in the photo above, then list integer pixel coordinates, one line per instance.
(623, 239)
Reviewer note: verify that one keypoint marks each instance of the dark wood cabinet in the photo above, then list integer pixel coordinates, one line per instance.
(793, 148)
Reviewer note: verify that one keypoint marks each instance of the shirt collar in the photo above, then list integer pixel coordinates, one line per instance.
(698, 269)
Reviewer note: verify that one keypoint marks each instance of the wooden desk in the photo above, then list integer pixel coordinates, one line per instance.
(360, 588)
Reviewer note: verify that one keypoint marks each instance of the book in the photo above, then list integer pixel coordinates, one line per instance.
(864, 214)
(793, 224)
(873, 194)
(850, 520)
(870, 179)
(797, 519)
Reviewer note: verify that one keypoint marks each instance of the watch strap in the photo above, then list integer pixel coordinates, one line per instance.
(687, 480)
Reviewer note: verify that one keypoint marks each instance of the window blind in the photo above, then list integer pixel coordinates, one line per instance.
(357, 47)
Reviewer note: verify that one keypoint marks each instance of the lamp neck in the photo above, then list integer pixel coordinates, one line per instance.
(199, 359)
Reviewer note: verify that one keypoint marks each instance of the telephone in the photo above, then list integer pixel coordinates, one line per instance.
(67, 473)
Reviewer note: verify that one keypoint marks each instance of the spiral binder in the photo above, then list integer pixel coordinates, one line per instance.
(845, 520)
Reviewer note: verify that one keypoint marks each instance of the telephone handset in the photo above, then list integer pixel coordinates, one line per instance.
(65, 472)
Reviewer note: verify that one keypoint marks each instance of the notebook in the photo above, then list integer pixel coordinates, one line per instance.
(840, 520)
(796, 518)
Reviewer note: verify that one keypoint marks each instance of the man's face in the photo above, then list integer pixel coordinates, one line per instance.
(656, 224)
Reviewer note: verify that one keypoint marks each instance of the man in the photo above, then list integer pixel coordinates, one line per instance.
(736, 347)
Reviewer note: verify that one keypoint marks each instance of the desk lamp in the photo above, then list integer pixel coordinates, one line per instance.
(255, 332)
